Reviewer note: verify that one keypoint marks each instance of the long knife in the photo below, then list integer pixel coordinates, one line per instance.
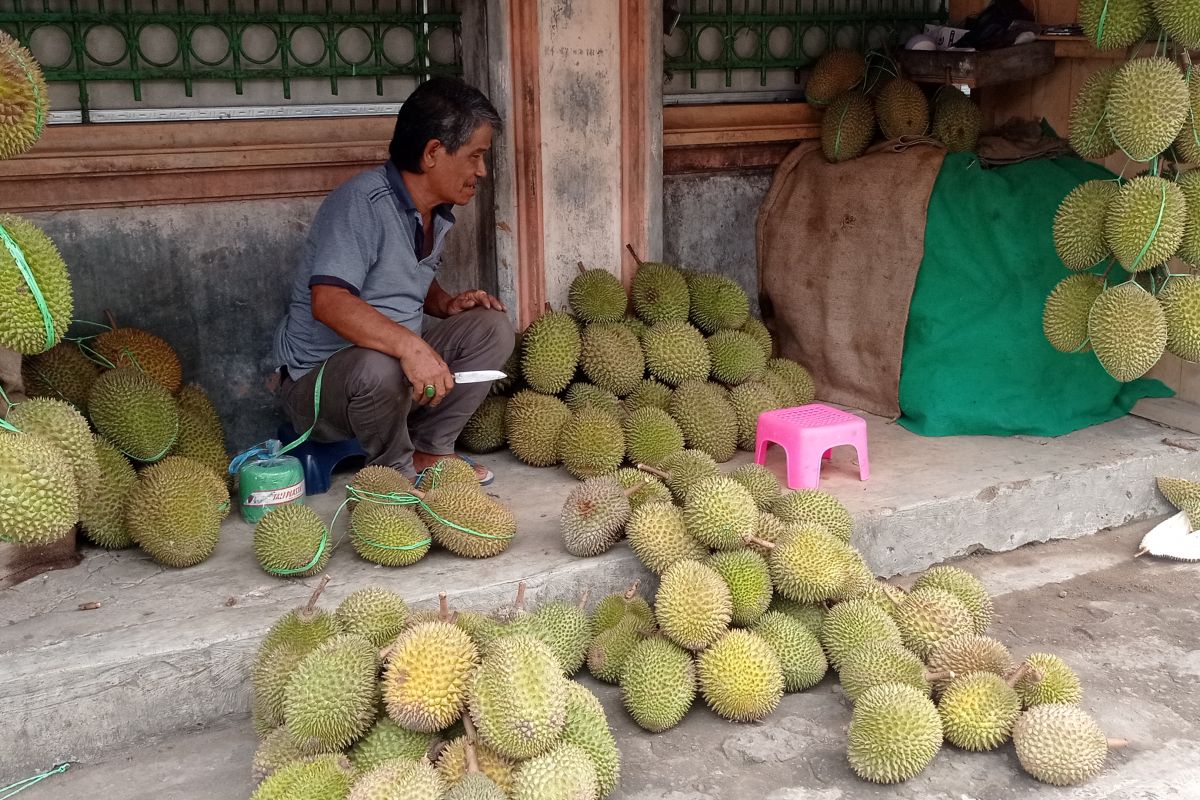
(479, 376)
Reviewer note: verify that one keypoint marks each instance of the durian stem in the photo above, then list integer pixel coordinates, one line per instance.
(112, 320)
(633, 253)
(632, 593)
(1117, 744)
(941, 675)
(637, 487)
(1020, 673)
(582, 268)
(520, 602)
(658, 473)
(583, 598)
(311, 606)
(750, 538)
(443, 607)
(469, 744)
(1141, 553)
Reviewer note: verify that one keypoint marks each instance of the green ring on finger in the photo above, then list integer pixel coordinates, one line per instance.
(430, 391)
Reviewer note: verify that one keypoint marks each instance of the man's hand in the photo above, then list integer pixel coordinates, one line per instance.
(475, 298)
(424, 367)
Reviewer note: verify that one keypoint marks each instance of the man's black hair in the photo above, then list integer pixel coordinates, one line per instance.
(442, 108)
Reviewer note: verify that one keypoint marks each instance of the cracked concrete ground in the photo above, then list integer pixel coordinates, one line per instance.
(1131, 628)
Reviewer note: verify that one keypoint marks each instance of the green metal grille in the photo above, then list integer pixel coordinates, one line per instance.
(764, 35)
(177, 26)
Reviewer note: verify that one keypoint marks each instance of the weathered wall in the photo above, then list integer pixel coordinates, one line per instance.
(212, 279)
(708, 223)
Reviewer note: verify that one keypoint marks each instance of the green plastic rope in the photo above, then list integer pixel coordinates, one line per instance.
(400, 499)
(1100, 26)
(1162, 207)
(837, 140)
(310, 564)
(94, 355)
(21, 786)
(14, 250)
(302, 438)
(9, 405)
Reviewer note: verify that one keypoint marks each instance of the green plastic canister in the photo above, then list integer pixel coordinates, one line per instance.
(266, 480)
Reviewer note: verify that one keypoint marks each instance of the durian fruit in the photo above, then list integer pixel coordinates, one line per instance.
(895, 732)
(135, 413)
(800, 655)
(62, 372)
(836, 71)
(376, 479)
(658, 683)
(193, 397)
(596, 295)
(61, 424)
(736, 357)
(1114, 24)
(706, 418)
(292, 541)
(852, 624)
(279, 750)
(565, 772)
(326, 777)
(198, 441)
(1065, 317)
(717, 303)
(810, 615)
(532, 423)
(139, 349)
(694, 605)
(611, 357)
(1079, 224)
(956, 120)
(1147, 106)
(304, 627)
(613, 609)
(847, 127)
(1189, 184)
(749, 580)
(719, 511)
(518, 698)
(1180, 21)
(610, 649)
(406, 780)
(902, 109)
(760, 482)
(467, 522)
(587, 727)
(966, 587)
(808, 564)
(682, 470)
(385, 741)
(649, 393)
(40, 501)
(1145, 222)
(453, 764)
(374, 613)
(581, 393)
(591, 443)
(877, 663)
(659, 293)
(1180, 300)
(929, 616)
(978, 711)
(795, 376)
(22, 325)
(550, 352)
(289, 640)
(969, 653)
(1187, 144)
(651, 435)
(658, 535)
(1046, 678)
(645, 487)
(330, 696)
(1183, 494)
(484, 431)
(636, 326)
(748, 401)
(676, 352)
(388, 535)
(511, 369)
(568, 630)
(446, 471)
(782, 389)
(758, 331)
(815, 507)
(1060, 744)
(427, 676)
(740, 676)
(174, 512)
(1128, 331)
(593, 516)
(1090, 136)
(24, 101)
(102, 513)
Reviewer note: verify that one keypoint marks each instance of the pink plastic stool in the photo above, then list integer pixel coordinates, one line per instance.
(807, 434)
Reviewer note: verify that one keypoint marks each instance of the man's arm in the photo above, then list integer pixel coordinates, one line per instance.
(440, 303)
(359, 323)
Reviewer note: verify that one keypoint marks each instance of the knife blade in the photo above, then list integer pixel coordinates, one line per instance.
(479, 376)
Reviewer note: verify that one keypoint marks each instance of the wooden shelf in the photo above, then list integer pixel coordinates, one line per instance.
(979, 68)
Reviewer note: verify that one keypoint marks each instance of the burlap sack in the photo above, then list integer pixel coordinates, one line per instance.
(839, 246)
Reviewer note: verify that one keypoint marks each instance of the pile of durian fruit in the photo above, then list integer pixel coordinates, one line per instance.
(1149, 224)
(596, 387)
(373, 700)
(109, 438)
(760, 592)
(860, 99)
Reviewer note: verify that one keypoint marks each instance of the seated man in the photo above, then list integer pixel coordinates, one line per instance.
(367, 274)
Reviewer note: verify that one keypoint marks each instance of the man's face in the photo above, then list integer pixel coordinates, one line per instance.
(455, 175)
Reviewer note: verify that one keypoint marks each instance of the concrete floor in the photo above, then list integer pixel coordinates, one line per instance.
(168, 650)
(1131, 628)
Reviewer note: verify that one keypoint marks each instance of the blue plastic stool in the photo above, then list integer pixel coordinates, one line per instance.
(319, 459)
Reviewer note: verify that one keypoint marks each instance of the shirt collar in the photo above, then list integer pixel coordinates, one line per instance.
(406, 202)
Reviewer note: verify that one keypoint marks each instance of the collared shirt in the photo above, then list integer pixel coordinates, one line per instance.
(367, 237)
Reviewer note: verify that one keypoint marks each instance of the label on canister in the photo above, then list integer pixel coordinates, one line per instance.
(275, 497)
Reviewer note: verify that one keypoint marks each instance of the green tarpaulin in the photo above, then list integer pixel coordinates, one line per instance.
(975, 358)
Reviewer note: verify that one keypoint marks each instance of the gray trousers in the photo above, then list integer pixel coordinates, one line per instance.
(366, 396)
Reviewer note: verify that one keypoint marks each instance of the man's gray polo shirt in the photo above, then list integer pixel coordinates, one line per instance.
(367, 237)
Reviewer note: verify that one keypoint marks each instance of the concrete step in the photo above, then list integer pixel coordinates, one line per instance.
(1128, 627)
(169, 650)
